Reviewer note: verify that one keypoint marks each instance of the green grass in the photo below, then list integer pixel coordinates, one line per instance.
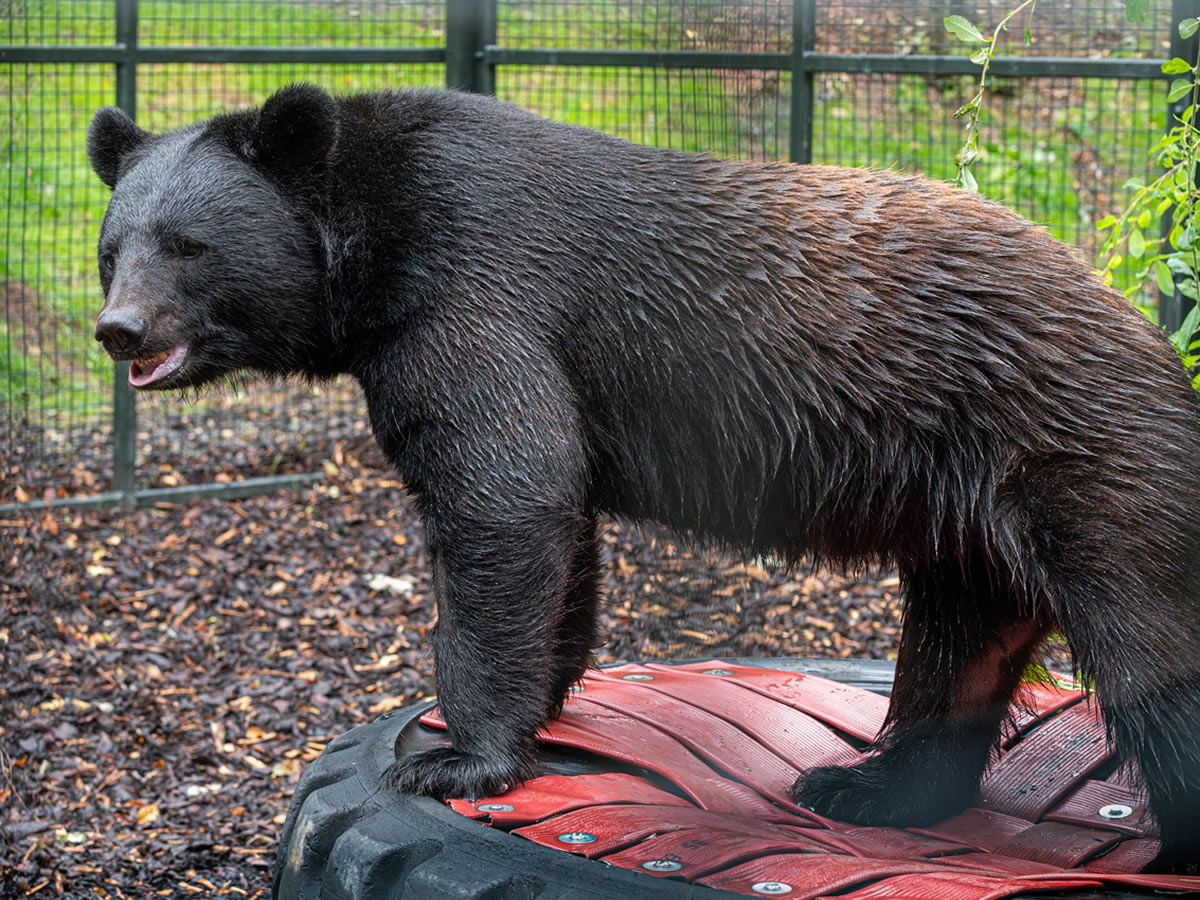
(1058, 152)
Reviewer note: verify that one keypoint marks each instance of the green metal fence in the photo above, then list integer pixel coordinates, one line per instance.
(854, 82)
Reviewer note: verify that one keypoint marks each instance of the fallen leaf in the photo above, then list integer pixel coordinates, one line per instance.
(148, 814)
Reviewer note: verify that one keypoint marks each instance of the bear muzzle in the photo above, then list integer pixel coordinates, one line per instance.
(121, 331)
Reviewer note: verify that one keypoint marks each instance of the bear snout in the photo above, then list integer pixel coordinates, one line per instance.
(121, 331)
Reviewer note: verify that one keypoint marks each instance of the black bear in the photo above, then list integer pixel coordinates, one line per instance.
(551, 325)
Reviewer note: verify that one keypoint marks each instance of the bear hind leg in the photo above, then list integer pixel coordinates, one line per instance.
(963, 650)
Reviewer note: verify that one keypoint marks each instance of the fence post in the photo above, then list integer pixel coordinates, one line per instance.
(124, 408)
(1173, 308)
(804, 22)
(470, 27)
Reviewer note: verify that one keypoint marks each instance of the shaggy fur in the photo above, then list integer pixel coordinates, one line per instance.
(551, 325)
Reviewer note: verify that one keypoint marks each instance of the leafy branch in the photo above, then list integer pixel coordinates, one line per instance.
(985, 52)
(1172, 258)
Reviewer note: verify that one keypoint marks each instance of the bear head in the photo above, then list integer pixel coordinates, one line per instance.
(210, 252)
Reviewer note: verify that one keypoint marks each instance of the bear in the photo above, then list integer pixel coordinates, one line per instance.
(552, 326)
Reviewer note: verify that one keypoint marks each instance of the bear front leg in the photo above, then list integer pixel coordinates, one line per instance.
(502, 593)
(488, 440)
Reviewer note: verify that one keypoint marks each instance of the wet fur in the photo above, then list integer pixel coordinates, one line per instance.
(552, 325)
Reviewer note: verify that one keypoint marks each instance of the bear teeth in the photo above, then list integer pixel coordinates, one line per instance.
(151, 362)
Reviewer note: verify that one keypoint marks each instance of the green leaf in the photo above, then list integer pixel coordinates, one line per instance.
(1176, 66)
(1179, 266)
(966, 108)
(1137, 243)
(1137, 10)
(1180, 88)
(963, 30)
(1183, 336)
(1166, 281)
(1145, 219)
(1163, 206)
(1106, 223)
(966, 180)
(1028, 36)
(980, 56)
(1188, 27)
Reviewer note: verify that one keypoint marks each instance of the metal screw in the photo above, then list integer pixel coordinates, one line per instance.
(575, 688)
(577, 837)
(774, 888)
(724, 672)
(637, 677)
(662, 865)
(496, 807)
(1116, 811)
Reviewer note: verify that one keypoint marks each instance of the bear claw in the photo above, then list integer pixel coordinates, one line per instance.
(444, 772)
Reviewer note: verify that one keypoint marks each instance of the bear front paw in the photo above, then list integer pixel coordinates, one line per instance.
(445, 772)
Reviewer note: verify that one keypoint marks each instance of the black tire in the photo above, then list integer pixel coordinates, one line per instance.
(348, 838)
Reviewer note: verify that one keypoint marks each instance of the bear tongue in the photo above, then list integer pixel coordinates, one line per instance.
(150, 369)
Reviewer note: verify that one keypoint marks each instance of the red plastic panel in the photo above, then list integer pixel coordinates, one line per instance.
(1038, 700)
(811, 875)
(616, 827)
(553, 795)
(1084, 808)
(724, 746)
(1066, 846)
(1126, 857)
(978, 828)
(733, 748)
(896, 843)
(856, 712)
(1178, 884)
(994, 864)
(961, 886)
(795, 736)
(607, 733)
(700, 851)
(1044, 766)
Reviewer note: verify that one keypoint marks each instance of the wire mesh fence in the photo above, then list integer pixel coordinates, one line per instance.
(848, 82)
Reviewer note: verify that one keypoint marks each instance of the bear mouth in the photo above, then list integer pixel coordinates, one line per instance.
(145, 371)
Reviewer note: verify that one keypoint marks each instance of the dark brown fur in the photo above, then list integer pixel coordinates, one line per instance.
(551, 325)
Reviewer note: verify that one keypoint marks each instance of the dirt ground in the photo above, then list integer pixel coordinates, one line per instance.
(168, 673)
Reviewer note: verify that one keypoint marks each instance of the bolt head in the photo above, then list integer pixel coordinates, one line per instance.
(637, 677)
(724, 672)
(577, 837)
(1116, 811)
(662, 865)
(771, 888)
(496, 807)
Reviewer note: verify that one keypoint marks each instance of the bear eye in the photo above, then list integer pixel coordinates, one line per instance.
(185, 248)
(108, 261)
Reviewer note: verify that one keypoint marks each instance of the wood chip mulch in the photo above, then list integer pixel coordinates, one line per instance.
(168, 673)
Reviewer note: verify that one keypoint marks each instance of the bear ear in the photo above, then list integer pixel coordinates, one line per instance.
(111, 138)
(297, 129)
